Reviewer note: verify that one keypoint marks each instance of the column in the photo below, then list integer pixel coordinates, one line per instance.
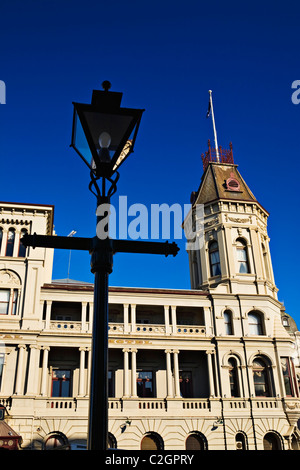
(33, 369)
(11, 298)
(174, 321)
(83, 316)
(45, 371)
(91, 316)
(167, 320)
(133, 373)
(89, 371)
(210, 373)
(81, 372)
(176, 374)
(169, 374)
(133, 317)
(125, 318)
(20, 369)
(125, 374)
(16, 242)
(4, 242)
(48, 313)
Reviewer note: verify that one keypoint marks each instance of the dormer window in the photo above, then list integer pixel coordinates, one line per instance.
(232, 184)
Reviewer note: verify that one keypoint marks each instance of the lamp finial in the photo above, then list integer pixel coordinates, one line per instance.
(106, 85)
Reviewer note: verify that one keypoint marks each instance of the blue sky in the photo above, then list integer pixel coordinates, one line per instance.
(164, 56)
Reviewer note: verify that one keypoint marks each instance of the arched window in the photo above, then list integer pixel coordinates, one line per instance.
(10, 242)
(255, 323)
(22, 248)
(240, 441)
(111, 441)
(152, 441)
(214, 259)
(196, 441)
(228, 322)
(233, 377)
(272, 442)
(242, 256)
(56, 440)
(261, 378)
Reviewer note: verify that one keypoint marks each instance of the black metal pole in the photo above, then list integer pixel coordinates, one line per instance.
(101, 266)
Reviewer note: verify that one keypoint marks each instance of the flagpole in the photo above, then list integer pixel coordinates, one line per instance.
(214, 125)
(70, 235)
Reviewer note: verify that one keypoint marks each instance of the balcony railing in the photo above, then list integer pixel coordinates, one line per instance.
(209, 407)
(67, 326)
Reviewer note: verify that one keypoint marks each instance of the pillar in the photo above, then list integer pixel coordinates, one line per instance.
(81, 372)
(48, 313)
(33, 369)
(83, 316)
(125, 373)
(20, 369)
(176, 374)
(125, 319)
(169, 374)
(45, 371)
(210, 373)
(133, 373)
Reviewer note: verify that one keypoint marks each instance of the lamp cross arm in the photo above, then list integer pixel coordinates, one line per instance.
(93, 244)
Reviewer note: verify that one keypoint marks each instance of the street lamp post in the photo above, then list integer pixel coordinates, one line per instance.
(103, 135)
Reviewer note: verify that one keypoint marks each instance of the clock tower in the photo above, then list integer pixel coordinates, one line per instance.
(229, 252)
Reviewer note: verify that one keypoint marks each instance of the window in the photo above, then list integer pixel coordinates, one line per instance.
(152, 441)
(261, 378)
(10, 242)
(228, 322)
(233, 377)
(195, 441)
(56, 440)
(240, 441)
(289, 379)
(145, 384)
(255, 323)
(8, 304)
(61, 383)
(214, 259)
(1, 236)
(111, 441)
(186, 388)
(22, 248)
(272, 442)
(285, 321)
(242, 256)
(110, 379)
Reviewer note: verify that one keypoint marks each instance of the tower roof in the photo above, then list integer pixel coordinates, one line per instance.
(221, 179)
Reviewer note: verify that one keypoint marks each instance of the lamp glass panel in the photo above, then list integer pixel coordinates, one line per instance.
(116, 125)
(80, 143)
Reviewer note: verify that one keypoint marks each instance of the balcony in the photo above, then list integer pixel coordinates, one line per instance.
(68, 327)
(118, 407)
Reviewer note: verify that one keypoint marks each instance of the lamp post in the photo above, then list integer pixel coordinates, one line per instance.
(103, 135)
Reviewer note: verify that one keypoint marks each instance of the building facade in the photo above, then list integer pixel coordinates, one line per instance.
(210, 368)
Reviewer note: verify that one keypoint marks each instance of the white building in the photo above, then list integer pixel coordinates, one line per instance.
(206, 368)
